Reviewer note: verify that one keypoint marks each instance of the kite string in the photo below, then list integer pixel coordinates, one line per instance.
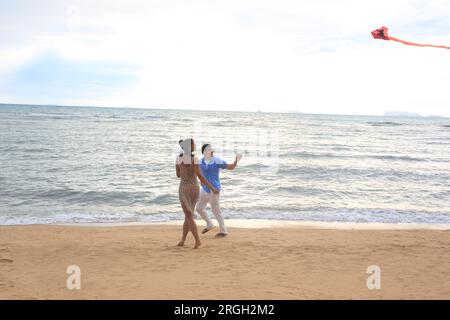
(416, 44)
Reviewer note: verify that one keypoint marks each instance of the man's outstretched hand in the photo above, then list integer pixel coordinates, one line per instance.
(234, 164)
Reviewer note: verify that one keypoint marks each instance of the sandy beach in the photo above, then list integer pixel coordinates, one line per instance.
(283, 262)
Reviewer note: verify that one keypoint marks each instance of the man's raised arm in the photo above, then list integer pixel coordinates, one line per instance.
(234, 164)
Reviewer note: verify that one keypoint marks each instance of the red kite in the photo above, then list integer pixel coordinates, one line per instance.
(382, 33)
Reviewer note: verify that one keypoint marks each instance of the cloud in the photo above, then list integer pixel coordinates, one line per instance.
(49, 77)
(310, 56)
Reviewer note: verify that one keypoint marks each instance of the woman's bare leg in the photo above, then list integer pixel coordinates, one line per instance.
(194, 230)
(186, 228)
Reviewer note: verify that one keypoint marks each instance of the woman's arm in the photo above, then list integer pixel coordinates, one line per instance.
(177, 169)
(203, 180)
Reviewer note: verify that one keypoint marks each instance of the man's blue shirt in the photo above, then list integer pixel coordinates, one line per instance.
(210, 171)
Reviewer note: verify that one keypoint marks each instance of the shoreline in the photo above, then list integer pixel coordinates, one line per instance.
(265, 223)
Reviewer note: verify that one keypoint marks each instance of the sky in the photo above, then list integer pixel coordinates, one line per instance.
(312, 56)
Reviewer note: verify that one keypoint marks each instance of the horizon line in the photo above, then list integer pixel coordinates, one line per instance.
(412, 115)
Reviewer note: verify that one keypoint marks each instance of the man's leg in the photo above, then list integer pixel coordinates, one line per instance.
(215, 207)
(201, 208)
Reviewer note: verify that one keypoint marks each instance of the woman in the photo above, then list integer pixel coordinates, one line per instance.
(187, 168)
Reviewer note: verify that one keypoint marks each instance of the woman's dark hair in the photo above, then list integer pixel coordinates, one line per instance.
(204, 147)
(179, 142)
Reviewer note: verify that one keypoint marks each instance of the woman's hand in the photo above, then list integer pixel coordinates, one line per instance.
(214, 190)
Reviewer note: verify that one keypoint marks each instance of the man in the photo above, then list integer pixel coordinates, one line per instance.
(210, 167)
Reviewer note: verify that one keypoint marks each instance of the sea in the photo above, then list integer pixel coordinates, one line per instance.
(76, 165)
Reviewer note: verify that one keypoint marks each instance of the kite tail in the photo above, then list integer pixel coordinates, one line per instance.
(416, 44)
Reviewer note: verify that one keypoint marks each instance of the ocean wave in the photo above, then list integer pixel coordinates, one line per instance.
(305, 213)
(7, 149)
(384, 123)
(254, 166)
(72, 196)
(125, 117)
(55, 116)
(393, 157)
(312, 155)
(306, 154)
(330, 214)
(308, 191)
(85, 217)
(35, 150)
(166, 198)
(438, 143)
(229, 123)
(327, 173)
